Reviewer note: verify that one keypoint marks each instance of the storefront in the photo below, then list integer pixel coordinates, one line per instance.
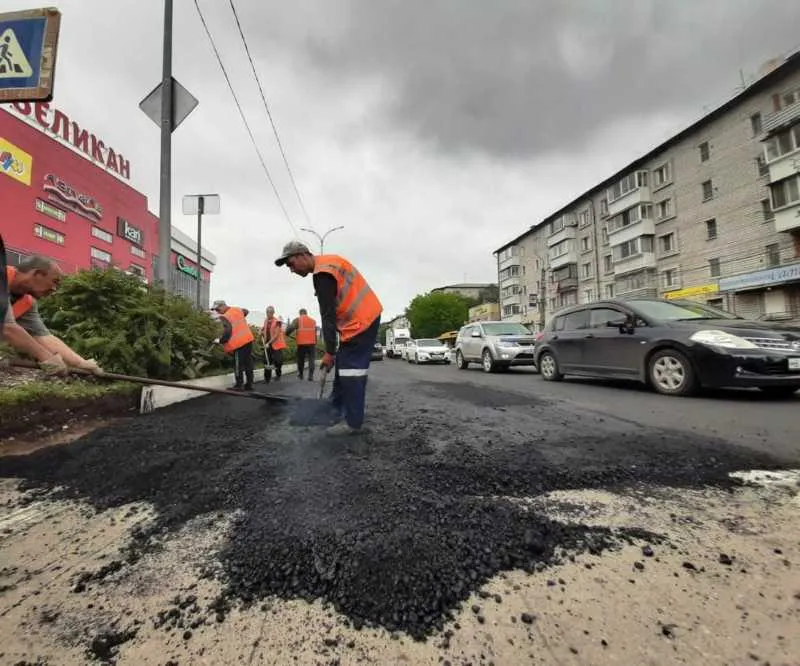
(703, 292)
(773, 293)
(65, 194)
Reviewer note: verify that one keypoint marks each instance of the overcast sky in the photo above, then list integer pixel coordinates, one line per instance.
(433, 130)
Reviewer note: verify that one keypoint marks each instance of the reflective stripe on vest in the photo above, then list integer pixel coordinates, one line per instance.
(240, 330)
(21, 305)
(306, 330)
(357, 306)
(276, 329)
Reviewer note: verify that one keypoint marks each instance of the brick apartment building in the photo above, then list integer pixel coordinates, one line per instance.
(711, 214)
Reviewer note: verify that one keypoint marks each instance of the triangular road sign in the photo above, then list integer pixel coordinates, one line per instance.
(13, 63)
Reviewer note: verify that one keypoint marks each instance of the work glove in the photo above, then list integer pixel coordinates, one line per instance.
(216, 341)
(54, 365)
(327, 361)
(91, 365)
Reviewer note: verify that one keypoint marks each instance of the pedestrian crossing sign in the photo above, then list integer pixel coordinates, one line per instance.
(28, 44)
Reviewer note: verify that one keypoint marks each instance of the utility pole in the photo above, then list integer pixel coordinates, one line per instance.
(542, 297)
(323, 237)
(200, 253)
(165, 199)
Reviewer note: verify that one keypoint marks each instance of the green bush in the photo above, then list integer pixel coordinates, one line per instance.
(132, 328)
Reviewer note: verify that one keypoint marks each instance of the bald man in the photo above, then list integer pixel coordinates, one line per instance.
(23, 327)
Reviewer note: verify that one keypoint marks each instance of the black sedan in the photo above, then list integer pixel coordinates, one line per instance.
(674, 346)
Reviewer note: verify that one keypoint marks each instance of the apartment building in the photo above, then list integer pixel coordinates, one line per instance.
(466, 289)
(712, 214)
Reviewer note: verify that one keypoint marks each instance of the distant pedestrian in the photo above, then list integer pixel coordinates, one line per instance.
(305, 330)
(350, 307)
(272, 332)
(237, 339)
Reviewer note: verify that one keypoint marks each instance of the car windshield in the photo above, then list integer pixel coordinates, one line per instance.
(429, 342)
(679, 311)
(505, 329)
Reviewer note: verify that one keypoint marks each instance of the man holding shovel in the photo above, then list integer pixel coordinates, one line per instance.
(23, 328)
(350, 308)
(237, 339)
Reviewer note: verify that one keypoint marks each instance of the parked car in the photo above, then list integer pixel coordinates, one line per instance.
(377, 352)
(496, 345)
(674, 346)
(427, 350)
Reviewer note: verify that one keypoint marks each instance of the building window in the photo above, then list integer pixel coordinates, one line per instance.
(708, 190)
(608, 263)
(100, 255)
(48, 234)
(633, 247)
(583, 218)
(667, 244)
(138, 271)
(509, 310)
(761, 164)
(604, 235)
(630, 216)
(102, 234)
(773, 255)
(669, 278)
(586, 270)
(713, 267)
(603, 207)
(662, 175)
(785, 192)
(586, 244)
(783, 143)
(609, 291)
(766, 210)
(588, 296)
(664, 209)
(705, 151)
(711, 229)
(136, 251)
(560, 249)
(510, 272)
(755, 124)
(628, 184)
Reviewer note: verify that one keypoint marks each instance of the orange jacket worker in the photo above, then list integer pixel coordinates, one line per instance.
(237, 339)
(275, 342)
(350, 308)
(305, 330)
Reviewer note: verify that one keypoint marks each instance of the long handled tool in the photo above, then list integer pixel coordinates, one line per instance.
(313, 411)
(21, 363)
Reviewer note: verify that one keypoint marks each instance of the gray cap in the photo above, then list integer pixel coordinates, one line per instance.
(218, 304)
(291, 249)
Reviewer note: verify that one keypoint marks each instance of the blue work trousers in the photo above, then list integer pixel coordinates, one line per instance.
(350, 379)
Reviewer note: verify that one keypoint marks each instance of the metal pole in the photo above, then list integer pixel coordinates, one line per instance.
(165, 200)
(543, 298)
(200, 203)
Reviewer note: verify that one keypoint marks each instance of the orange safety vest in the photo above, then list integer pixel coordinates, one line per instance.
(280, 341)
(357, 306)
(240, 330)
(306, 330)
(22, 305)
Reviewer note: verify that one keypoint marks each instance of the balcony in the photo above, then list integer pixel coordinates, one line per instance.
(788, 219)
(636, 262)
(569, 257)
(779, 120)
(567, 284)
(644, 226)
(630, 191)
(567, 232)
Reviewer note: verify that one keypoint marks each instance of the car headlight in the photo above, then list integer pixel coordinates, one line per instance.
(722, 339)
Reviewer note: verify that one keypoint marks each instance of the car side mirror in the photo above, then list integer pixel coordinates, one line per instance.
(624, 324)
(476, 334)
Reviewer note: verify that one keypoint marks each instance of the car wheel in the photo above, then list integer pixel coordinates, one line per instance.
(779, 391)
(671, 373)
(548, 367)
(460, 361)
(487, 362)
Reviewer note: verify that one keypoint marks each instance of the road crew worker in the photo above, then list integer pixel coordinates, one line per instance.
(237, 339)
(305, 330)
(23, 328)
(350, 307)
(275, 343)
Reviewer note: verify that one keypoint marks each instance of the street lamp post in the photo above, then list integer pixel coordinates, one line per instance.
(197, 204)
(323, 237)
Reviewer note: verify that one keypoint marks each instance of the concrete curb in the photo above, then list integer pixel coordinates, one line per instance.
(156, 397)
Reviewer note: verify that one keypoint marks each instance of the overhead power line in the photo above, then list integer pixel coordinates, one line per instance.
(244, 118)
(269, 114)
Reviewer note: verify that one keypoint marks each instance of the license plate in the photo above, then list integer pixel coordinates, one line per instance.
(794, 364)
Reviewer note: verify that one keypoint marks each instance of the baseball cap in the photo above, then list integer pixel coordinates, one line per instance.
(218, 304)
(291, 249)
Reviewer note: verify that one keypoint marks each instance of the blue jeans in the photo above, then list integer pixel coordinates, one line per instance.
(350, 379)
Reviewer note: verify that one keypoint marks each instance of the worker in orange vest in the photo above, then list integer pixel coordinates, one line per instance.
(23, 328)
(272, 332)
(305, 330)
(350, 308)
(237, 339)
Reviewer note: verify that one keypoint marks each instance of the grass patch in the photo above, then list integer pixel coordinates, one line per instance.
(38, 390)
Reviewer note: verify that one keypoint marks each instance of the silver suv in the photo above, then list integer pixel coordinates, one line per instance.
(495, 345)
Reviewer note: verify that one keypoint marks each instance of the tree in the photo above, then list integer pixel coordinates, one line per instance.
(433, 314)
(490, 294)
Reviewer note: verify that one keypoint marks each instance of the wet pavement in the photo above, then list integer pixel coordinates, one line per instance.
(398, 527)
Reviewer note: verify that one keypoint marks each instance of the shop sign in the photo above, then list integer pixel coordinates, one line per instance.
(761, 278)
(50, 211)
(61, 192)
(126, 230)
(15, 162)
(183, 267)
(48, 234)
(691, 292)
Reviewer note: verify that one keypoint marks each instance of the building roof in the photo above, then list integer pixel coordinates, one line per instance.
(789, 65)
(467, 285)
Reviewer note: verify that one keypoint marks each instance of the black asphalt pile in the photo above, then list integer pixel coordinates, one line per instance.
(396, 527)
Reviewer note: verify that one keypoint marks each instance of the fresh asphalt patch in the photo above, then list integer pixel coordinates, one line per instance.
(395, 527)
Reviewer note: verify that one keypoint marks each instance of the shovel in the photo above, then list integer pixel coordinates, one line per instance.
(313, 411)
